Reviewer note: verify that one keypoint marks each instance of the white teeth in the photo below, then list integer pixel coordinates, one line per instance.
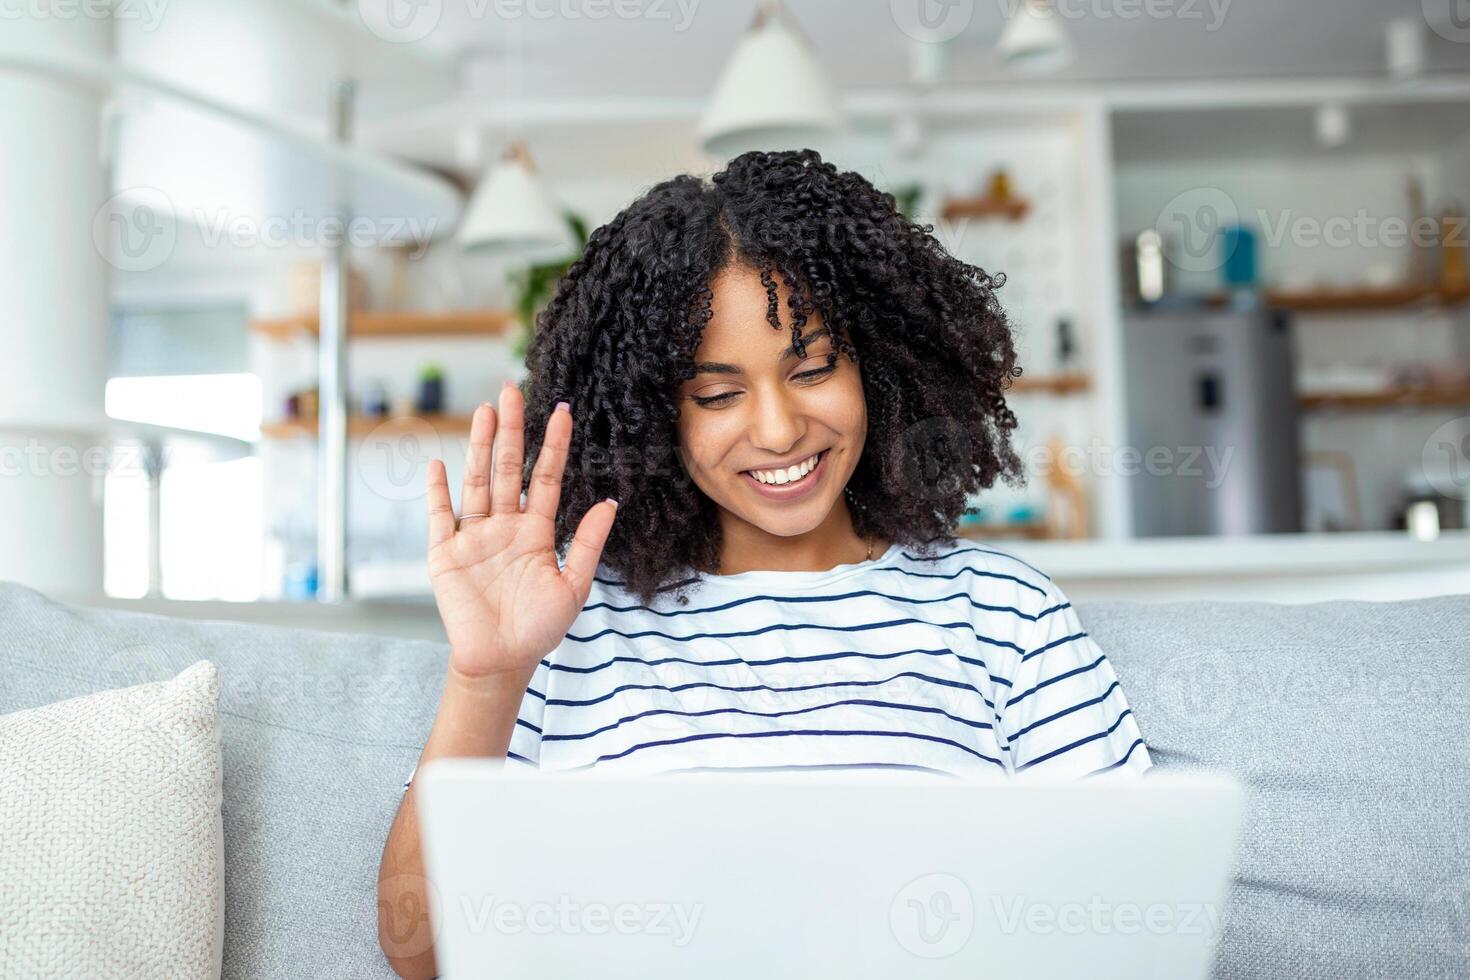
(788, 475)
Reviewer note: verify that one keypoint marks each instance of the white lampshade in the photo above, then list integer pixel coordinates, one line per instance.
(772, 93)
(511, 211)
(1033, 39)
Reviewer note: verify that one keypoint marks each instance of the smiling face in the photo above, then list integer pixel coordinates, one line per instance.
(757, 405)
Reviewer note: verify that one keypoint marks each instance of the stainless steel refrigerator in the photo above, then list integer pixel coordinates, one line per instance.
(1211, 394)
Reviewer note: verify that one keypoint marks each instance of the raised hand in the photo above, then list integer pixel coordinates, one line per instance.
(503, 598)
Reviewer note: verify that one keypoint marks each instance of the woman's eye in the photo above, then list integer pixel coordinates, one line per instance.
(707, 400)
(831, 358)
(818, 372)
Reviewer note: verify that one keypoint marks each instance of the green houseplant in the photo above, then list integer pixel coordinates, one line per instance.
(431, 389)
(532, 287)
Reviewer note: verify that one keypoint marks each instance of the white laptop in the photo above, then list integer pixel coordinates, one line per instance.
(842, 875)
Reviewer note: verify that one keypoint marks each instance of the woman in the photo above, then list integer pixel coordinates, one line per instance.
(757, 407)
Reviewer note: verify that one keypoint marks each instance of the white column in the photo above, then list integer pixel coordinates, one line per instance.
(54, 328)
(1114, 509)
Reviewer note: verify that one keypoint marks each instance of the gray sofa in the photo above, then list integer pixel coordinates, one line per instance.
(1350, 723)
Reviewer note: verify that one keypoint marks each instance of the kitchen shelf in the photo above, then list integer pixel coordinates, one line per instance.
(988, 206)
(1364, 298)
(1426, 397)
(1055, 384)
(1357, 299)
(1028, 530)
(484, 323)
(361, 425)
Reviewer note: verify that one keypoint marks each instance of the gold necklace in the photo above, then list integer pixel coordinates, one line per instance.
(870, 547)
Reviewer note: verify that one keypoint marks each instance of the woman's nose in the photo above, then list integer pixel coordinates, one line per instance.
(777, 424)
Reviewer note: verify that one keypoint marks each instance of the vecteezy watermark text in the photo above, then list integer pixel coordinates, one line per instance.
(1099, 917)
(567, 916)
(409, 21)
(937, 21)
(136, 230)
(148, 13)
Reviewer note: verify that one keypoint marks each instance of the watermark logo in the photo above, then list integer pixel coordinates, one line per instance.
(136, 230)
(1194, 222)
(1099, 917)
(409, 21)
(401, 21)
(1194, 692)
(1358, 230)
(1194, 226)
(933, 916)
(1209, 13)
(932, 454)
(932, 21)
(1445, 461)
(148, 14)
(680, 13)
(405, 926)
(681, 693)
(676, 921)
(1450, 19)
(1208, 464)
(38, 458)
(393, 458)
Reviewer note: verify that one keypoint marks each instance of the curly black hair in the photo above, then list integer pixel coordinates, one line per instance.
(618, 337)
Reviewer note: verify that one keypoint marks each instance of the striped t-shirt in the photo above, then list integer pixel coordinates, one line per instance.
(967, 661)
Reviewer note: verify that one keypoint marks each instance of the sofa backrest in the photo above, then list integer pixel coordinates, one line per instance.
(1347, 720)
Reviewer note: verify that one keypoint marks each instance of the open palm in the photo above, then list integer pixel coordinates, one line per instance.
(504, 599)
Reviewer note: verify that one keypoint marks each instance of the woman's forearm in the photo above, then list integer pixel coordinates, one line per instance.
(476, 717)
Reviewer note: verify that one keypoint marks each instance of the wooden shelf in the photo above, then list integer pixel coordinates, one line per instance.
(1005, 208)
(1029, 531)
(1347, 300)
(1055, 384)
(1357, 299)
(1388, 398)
(361, 425)
(486, 323)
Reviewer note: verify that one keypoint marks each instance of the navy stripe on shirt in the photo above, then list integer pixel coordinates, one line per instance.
(865, 702)
(705, 736)
(792, 627)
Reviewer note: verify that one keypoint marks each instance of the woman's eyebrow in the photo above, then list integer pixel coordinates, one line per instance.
(715, 367)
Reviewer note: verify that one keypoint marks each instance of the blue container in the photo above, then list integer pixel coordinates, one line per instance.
(1239, 244)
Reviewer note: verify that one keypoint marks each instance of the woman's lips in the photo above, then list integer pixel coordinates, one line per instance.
(790, 491)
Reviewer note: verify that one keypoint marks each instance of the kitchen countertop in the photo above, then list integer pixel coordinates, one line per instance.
(1276, 554)
(1274, 568)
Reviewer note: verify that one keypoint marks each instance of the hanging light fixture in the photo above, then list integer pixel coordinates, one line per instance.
(772, 93)
(512, 211)
(1033, 39)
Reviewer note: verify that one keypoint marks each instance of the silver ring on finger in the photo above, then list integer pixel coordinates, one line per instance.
(471, 517)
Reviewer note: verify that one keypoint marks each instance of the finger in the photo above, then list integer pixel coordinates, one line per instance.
(545, 491)
(505, 493)
(586, 548)
(475, 497)
(441, 510)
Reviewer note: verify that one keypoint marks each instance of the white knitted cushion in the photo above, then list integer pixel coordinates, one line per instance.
(111, 842)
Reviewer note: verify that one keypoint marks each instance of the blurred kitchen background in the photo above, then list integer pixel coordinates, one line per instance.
(261, 258)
